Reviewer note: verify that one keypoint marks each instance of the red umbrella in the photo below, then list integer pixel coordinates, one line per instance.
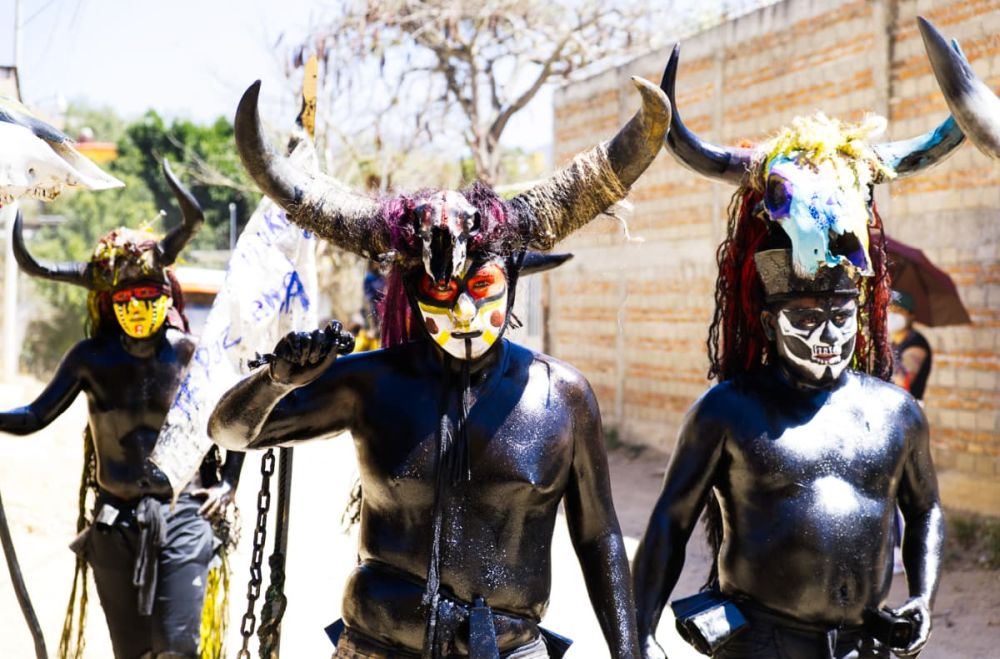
(934, 293)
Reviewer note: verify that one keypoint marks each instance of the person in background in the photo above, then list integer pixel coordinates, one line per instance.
(912, 353)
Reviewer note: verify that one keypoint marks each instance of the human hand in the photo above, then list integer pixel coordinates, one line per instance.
(301, 357)
(918, 610)
(651, 649)
(217, 499)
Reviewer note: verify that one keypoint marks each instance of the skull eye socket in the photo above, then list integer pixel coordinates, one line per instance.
(776, 197)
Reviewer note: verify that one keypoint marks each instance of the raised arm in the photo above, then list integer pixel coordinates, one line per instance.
(297, 397)
(686, 486)
(52, 402)
(594, 530)
(923, 539)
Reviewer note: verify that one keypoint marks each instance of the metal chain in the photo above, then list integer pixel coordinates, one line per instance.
(249, 622)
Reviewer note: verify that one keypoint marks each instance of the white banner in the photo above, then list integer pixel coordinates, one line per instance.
(270, 289)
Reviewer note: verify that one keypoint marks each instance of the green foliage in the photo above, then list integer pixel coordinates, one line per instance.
(205, 159)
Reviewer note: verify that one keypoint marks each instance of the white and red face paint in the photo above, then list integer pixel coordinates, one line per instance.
(466, 315)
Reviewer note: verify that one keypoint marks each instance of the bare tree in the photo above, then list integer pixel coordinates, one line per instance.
(406, 73)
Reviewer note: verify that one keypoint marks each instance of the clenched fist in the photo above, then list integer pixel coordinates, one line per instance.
(301, 357)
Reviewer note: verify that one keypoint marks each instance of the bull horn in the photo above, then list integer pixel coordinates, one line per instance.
(975, 107)
(535, 262)
(908, 157)
(191, 220)
(313, 201)
(597, 178)
(726, 164)
(69, 272)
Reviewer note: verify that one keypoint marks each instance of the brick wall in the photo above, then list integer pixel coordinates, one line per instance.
(633, 315)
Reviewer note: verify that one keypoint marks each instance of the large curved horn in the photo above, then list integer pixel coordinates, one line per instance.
(191, 219)
(597, 178)
(314, 201)
(975, 107)
(726, 164)
(70, 272)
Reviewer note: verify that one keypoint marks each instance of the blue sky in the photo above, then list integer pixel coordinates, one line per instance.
(184, 58)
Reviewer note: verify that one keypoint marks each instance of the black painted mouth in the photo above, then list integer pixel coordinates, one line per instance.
(467, 335)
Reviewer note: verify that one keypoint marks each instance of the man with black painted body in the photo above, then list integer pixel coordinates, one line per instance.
(807, 459)
(150, 563)
(466, 442)
(804, 449)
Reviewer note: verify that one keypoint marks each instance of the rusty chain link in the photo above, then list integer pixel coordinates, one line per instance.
(249, 622)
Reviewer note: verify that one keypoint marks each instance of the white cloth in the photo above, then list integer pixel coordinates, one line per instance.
(270, 289)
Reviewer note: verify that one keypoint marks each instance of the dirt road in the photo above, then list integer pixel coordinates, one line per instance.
(39, 479)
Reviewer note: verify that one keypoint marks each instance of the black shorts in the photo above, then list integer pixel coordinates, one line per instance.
(173, 630)
(773, 636)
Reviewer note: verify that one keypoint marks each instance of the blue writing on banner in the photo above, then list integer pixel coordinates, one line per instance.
(294, 290)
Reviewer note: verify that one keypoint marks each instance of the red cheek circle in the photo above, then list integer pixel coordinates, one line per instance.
(432, 327)
(496, 319)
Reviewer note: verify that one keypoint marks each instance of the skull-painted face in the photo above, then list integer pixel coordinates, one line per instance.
(141, 308)
(467, 314)
(824, 210)
(815, 336)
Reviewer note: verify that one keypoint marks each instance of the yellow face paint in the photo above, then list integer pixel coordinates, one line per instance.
(141, 310)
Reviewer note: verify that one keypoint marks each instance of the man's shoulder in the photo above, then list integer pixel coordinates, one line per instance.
(91, 348)
(876, 394)
(550, 366)
(723, 402)
(180, 340)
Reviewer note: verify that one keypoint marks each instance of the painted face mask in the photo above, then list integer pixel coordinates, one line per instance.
(468, 314)
(141, 309)
(817, 341)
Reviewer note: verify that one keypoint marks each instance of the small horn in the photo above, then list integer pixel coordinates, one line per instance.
(726, 164)
(191, 219)
(535, 262)
(313, 201)
(975, 107)
(597, 178)
(69, 272)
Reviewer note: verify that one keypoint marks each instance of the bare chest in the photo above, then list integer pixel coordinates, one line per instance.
(841, 443)
(518, 452)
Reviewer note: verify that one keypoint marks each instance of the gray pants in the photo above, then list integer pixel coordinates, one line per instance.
(173, 629)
